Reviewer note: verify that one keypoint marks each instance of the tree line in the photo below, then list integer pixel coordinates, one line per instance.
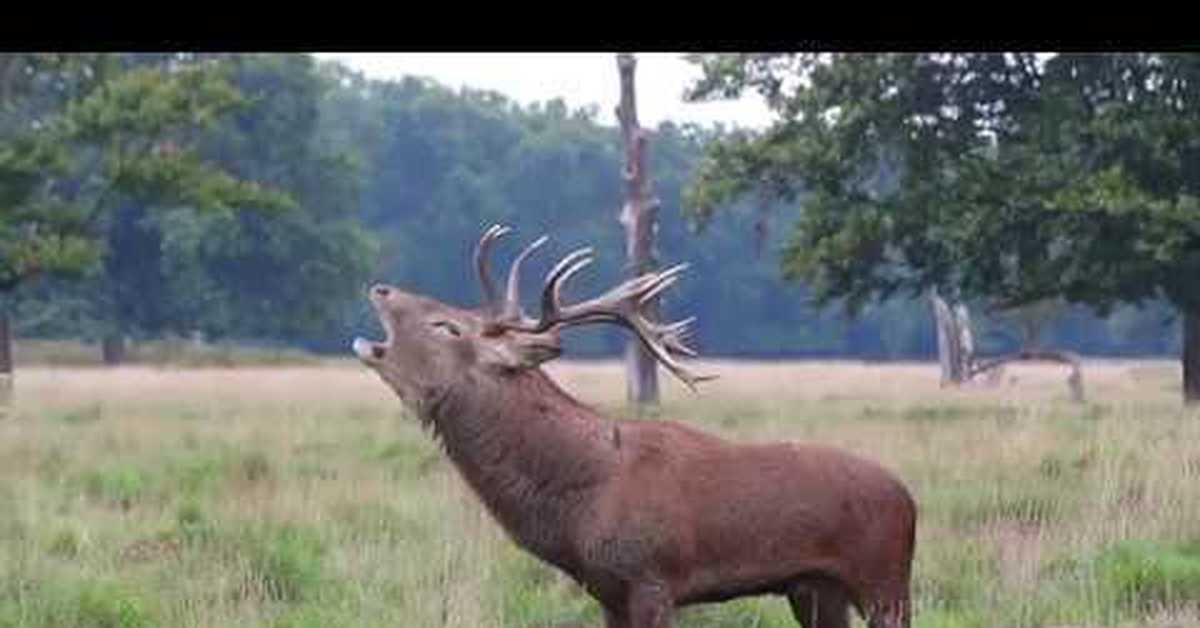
(252, 197)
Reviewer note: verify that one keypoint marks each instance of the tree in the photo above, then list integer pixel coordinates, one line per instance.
(159, 111)
(1124, 131)
(956, 339)
(40, 232)
(639, 217)
(91, 135)
(1001, 177)
(242, 271)
(875, 147)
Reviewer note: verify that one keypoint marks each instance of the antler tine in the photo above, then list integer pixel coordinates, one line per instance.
(660, 351)
(482, 265)
(661, 339)
(512, 302)
(624, 298)
(556, 273)
(619, 306)
(674, 335)
(554, 287)
(663, 280)
(569, 265)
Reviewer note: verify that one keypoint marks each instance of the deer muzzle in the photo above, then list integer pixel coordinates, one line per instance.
(368, 351)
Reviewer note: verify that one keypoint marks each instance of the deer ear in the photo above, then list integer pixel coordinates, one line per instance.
(519, 351)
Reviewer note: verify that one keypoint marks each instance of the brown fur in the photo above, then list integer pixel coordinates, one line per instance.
(647, 515)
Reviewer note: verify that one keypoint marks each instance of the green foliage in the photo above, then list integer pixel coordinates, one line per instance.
(1001, 177)
(1148, 573)
(536, 595)
(193, 524)
(80, 603)
(118, 484)
(145, 123)
(939, 618)
(83, 132)
(255, 466)
(283, 275)
(227, 216)
(66, 543)
(357, 180)
(198, 474)
(889, 155)
(104, 605)
(287, 562)
(38, 233)
(957, 579)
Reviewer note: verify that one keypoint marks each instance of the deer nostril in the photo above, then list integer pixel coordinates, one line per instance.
(382, 291)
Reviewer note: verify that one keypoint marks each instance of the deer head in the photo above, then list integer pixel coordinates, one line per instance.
(429, 344)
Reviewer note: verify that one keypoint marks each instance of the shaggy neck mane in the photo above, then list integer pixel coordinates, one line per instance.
(528, 449)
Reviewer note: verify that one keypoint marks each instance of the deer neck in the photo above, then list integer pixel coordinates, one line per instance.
(532, 453)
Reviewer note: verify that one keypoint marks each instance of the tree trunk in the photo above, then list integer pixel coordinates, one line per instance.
(966, 340)
(941, 316)
(956, 345)
(112, 349)
(638, 216)
(1191, 355)
(6, 362)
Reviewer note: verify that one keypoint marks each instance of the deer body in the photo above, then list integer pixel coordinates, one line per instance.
(647, 515)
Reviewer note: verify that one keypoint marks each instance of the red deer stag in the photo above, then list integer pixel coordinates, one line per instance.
(646, 515)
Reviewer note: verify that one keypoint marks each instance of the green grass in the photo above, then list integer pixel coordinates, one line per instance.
(304, 497)
(1142, 573)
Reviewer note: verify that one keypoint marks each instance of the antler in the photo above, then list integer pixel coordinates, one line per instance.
(482, 266)
(509, 309)
(512, 304)
(620, 306)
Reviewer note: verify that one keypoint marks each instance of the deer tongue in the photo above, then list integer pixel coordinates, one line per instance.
(366, 350)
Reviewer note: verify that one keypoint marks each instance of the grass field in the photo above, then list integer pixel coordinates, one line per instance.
(303, 496)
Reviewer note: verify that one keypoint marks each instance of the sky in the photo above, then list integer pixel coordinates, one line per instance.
(579, 79)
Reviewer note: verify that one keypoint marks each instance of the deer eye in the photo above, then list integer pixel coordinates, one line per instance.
(447, 327)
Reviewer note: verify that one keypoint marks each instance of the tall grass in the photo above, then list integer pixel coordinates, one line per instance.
(304, 497)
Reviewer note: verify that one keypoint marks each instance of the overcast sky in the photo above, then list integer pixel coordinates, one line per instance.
(580, 79)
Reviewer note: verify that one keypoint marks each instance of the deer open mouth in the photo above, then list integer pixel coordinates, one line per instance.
(368, 351)
(372, 351)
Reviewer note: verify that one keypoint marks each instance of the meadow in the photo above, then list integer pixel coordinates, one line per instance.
(298, 496)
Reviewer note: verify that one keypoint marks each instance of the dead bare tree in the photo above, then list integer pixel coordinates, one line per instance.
(1070, 359)
(1030, 319)
(639, 216)
(956, 344)
(647, 515)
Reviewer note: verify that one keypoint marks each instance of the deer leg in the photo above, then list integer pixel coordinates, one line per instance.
(895, 613)
(616, 618)
(650, 606)
(820, 605)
